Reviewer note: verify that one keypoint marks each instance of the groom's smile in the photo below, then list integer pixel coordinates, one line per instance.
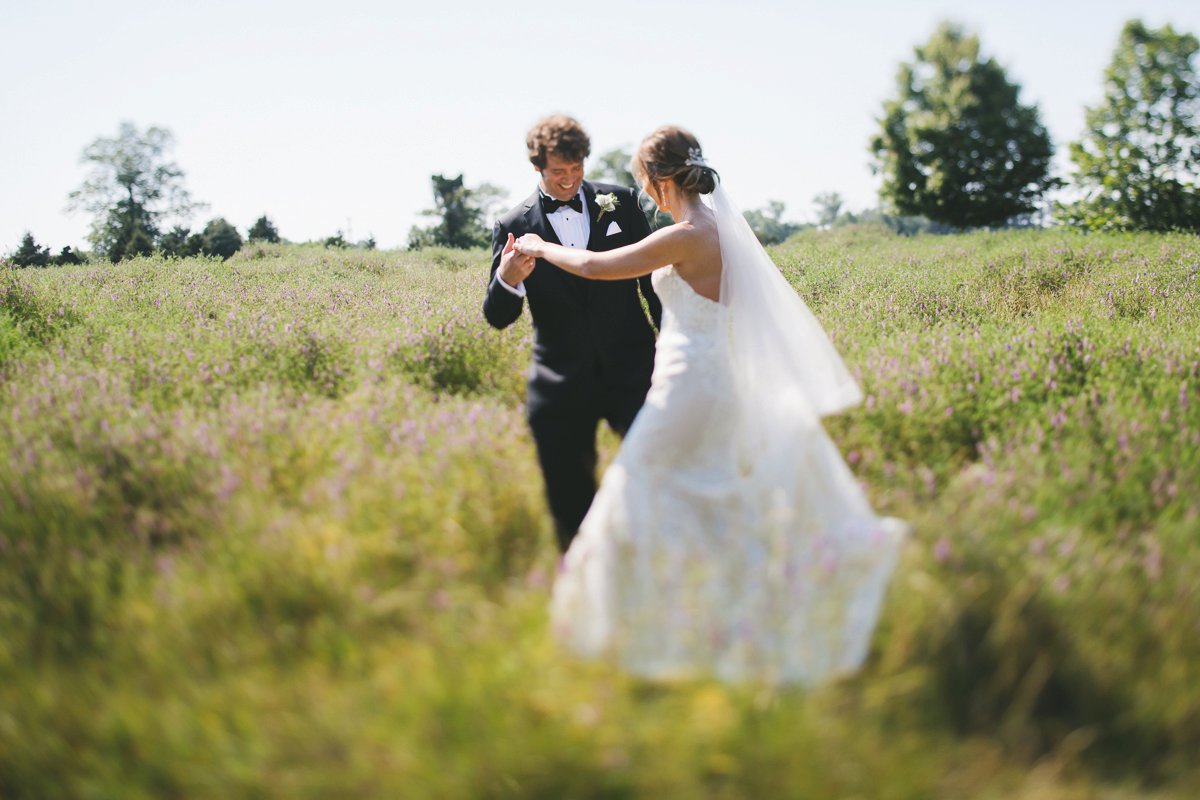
(560, 178)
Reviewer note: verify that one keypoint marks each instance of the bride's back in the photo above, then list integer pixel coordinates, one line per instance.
(702, 269)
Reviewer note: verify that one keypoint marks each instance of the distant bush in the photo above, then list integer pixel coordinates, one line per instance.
(219, 238)
(179, 242)
(768, 225)
(263, 230)
(67, 256)
(31, 254)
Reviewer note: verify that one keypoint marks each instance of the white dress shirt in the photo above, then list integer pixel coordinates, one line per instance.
(572, 229)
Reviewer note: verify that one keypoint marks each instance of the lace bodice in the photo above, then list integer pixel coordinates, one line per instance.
(684, 311)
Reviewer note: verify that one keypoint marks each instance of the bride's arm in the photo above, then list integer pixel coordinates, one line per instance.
(665, 246)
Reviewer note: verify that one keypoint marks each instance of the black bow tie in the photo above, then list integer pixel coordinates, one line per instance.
(550, 204)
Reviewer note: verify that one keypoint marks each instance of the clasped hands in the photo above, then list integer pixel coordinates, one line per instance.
(518, 257)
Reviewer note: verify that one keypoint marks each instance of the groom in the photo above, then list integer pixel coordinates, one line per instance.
(594, 347)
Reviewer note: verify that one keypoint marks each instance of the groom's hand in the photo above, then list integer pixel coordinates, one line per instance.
(514, 266)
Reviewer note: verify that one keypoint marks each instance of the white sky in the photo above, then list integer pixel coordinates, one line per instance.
(330, 116)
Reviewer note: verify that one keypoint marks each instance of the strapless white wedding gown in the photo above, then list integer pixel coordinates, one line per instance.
(689, 564)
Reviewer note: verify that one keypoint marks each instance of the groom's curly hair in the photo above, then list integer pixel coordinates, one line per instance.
(559, 135)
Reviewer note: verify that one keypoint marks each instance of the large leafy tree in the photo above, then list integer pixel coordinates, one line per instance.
(462, 213)
(131, 188)
(956, 144)
(1138, 164)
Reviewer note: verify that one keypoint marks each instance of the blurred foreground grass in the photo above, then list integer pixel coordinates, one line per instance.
(274, 528)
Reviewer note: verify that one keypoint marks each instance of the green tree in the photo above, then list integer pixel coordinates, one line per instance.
(1138, 163)
(130, 189)
(30, 253)
(490, 201)
(67, 256)
(180, 242)
(128, 230)
(420, 238)
(263, 230)
(220, 238)
(956, 145)
(905, 226)
(829, 206)
(616, 166)
(768, 225)
(462, 213)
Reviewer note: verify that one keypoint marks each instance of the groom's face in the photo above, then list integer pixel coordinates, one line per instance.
(561, 179)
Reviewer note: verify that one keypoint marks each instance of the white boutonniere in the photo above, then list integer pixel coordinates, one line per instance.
(608, 203)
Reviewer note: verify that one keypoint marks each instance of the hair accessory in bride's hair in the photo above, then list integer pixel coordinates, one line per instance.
(695, 158)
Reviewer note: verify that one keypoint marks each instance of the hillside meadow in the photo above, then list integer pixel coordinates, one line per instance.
(274, 528)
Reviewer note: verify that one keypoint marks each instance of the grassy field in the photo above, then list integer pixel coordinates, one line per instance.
(273, 528)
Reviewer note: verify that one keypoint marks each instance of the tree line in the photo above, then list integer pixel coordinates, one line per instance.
(956, 145)
(131, 191)
(133, 188)
(955, 148)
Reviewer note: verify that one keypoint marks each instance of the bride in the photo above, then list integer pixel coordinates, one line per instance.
(728, 538)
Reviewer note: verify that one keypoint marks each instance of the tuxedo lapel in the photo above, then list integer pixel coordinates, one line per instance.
(596, 236)
(536, 222)
(536, 219)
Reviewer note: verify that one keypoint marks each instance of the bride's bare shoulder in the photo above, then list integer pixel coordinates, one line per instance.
(700, 261)
(701, 231)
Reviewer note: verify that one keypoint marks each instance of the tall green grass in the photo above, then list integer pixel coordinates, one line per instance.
(274, 528)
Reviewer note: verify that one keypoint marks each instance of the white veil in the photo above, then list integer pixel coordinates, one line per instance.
(786, 371)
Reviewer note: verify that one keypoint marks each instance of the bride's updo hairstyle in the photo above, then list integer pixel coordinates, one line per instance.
(672, 153)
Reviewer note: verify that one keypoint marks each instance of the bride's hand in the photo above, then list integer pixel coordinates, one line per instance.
(531, 245)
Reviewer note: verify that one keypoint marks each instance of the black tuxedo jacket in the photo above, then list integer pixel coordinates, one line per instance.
(590, 336)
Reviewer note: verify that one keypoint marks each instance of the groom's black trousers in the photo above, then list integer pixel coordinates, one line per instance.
(566, 447)
(593, 352)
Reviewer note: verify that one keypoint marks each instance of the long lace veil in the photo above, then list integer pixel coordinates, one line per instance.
(786, 371)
